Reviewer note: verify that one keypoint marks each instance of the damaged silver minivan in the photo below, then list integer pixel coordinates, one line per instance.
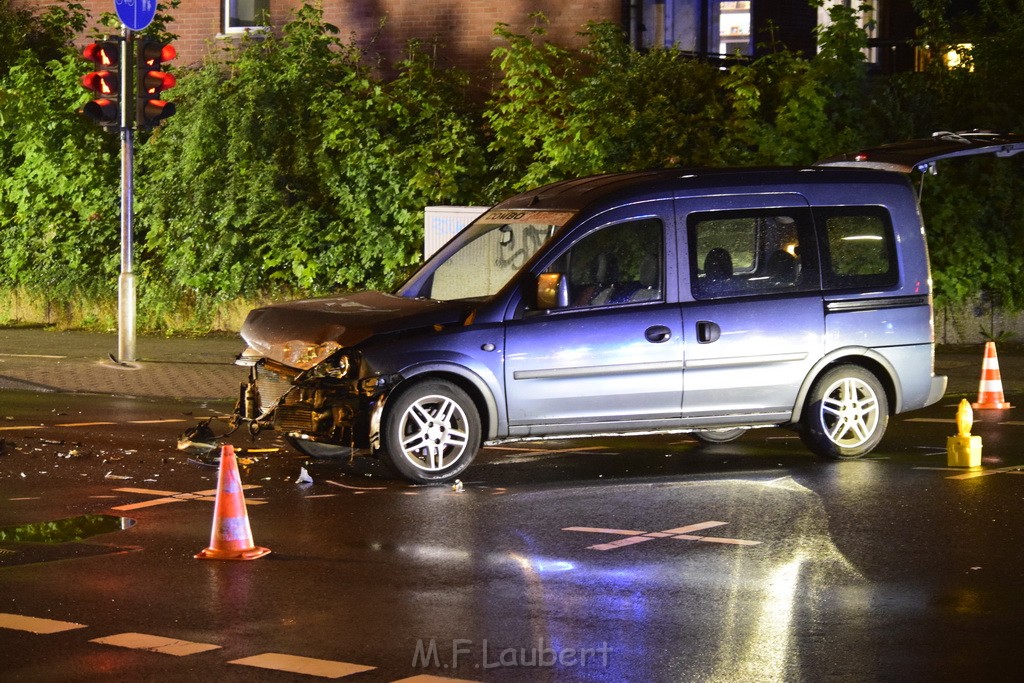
(707, 301)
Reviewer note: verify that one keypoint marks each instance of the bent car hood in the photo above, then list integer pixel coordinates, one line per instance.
(301, 334)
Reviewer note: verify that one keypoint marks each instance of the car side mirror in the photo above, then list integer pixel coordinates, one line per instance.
(552, 291)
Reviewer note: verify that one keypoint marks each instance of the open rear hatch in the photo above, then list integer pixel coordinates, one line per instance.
(922, 153)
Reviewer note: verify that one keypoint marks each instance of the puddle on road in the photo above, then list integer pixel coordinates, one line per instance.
(65, 530)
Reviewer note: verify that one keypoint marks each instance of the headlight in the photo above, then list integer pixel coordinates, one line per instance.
(302, 355)
(295, 353)
(334, 367)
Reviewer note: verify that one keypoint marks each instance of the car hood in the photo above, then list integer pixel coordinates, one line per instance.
(921, 153)
(301, 334)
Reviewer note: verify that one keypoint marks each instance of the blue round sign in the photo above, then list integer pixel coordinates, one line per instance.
(135, 14)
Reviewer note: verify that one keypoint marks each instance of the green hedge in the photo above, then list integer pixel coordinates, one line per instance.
(293, 167)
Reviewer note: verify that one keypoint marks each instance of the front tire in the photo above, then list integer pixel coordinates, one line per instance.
(846, 415)
(431, 432)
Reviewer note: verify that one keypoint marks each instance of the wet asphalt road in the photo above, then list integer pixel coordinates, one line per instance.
(631, 560)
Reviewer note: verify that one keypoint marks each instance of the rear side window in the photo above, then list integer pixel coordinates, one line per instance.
(762, 251)
(858, 249)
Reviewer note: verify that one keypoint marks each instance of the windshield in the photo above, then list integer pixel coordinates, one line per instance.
(486, 255)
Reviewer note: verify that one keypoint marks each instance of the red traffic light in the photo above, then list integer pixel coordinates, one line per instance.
(155, 82)
(103, 82)
(152, 53)
(105, 54)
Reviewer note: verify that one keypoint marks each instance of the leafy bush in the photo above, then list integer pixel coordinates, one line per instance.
(557, 113)
(58, 214)
(295, 167)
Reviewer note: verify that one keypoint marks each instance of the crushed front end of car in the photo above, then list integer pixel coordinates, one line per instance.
(322, 402)
(308, 379)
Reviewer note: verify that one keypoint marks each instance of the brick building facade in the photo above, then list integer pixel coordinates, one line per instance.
(464, 29)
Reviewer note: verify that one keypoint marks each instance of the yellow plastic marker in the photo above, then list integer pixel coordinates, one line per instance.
(963, 450)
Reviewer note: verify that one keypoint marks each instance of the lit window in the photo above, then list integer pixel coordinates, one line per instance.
(245, 15)
(959, 57)
(732, 24)
(704, 26)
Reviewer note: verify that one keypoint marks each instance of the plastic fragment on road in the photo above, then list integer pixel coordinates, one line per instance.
(304, 477)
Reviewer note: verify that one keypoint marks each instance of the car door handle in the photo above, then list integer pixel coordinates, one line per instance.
(657, 334)
(708, 332)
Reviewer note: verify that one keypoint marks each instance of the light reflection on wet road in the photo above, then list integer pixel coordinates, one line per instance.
(632, 560)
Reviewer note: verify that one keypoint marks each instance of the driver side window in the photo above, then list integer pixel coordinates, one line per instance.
(619, 264)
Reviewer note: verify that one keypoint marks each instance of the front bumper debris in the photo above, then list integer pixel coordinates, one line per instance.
(318, 408)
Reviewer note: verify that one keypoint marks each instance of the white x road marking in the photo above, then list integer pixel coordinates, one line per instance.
(683, 533)
(176, 496)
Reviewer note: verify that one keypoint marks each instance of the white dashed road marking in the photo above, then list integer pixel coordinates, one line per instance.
(323, 668)
(427, 678)
(13, 428)
(167, 646)
(35, 624)
(83, 424)
(975, 473)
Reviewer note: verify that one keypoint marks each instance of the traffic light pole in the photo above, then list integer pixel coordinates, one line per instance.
(126, 281)
(129, 112)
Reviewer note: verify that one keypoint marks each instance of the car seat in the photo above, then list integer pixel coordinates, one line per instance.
(650, 280)
(718, 265)
(781, 268)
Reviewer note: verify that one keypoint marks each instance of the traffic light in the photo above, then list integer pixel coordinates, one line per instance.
(152, 81)
(105, 82)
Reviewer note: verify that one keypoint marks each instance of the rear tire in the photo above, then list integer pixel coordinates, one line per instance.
(431, 432)
(709, 437)
(846, 414)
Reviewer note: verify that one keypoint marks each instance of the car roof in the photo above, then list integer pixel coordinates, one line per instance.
(578, 193)
(919, 154)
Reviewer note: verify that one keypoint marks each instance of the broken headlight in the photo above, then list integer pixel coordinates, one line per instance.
(335, 368)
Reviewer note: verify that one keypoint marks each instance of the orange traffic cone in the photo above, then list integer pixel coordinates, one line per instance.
(990, 389)
(231, 537)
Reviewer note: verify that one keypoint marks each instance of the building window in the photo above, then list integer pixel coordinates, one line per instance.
(714, 27)
(245, 15)
(732, 25)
